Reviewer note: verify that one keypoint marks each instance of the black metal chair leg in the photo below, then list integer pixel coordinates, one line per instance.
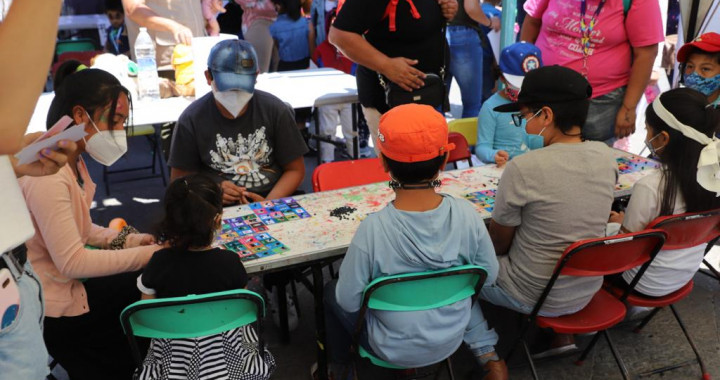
(449, 368)
(530, 361)
(692, 343)
(646, 320)
(296, 300)
(587, 350)
(616, 355)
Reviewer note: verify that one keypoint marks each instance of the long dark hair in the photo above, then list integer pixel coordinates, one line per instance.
(192, 204)
(89, 88)
(680, 155)
(291, 7)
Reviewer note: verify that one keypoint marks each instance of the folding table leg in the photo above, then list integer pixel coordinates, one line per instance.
(320, 320)
(356, 144)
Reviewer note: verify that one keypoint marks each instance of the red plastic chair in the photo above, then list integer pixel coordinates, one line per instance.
(83, 56)
(683, 231)
(595, 257)
(461, 151)
(338, 175)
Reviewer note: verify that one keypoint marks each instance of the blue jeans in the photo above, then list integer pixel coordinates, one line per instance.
(22, 349)
(600, 123)
(466, 65)
(339, 326)
(499, 297)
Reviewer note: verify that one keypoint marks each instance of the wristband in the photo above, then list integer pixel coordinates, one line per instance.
(119, 241)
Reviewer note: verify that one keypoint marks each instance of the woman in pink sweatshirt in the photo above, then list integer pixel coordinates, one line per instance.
(85, 289)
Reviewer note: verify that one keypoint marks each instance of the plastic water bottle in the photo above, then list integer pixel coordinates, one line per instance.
(148, 87)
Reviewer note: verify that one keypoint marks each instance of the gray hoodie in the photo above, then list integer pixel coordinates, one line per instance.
(394, 242)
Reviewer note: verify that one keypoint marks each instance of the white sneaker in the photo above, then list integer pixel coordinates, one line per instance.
(275, 310)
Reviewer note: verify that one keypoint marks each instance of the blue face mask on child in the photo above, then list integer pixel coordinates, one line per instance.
(706, 86)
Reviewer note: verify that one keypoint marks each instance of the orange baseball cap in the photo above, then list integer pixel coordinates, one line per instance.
(413, 133)
(708, 42)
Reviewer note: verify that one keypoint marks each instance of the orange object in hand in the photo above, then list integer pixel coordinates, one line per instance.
(117, 224)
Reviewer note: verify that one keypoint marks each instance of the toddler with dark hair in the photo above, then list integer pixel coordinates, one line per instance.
(189, 265)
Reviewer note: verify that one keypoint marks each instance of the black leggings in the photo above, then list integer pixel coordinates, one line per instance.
(92, 345)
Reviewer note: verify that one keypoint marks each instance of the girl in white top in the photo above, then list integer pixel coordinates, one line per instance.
(680, 129)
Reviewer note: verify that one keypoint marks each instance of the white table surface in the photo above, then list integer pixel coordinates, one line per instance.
(304, 88)
(323, 236)
(144, 113)
(92, 21)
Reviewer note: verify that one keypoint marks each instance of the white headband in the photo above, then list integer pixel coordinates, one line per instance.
(708, 173)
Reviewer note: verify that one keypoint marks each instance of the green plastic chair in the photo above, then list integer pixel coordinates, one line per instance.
(192, 316)
(415, 292)
(80, 44)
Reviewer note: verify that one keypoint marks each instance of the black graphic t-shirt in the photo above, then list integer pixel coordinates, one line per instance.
(250, 150)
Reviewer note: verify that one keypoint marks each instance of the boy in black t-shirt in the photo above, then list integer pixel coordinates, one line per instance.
(245, 139)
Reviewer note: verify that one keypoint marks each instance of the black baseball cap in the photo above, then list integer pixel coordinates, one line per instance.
(550, 84)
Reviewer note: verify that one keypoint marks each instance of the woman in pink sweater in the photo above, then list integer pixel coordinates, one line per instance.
(85, 289)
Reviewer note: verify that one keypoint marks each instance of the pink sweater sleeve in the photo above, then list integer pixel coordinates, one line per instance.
(57, 218)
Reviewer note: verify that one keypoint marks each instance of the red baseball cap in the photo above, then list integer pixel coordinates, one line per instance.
(708, 42)
(413, 133)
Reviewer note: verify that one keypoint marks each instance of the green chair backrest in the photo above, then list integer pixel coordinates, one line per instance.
(81, 44)
(192, 316)
(424, 290)
(466, 127)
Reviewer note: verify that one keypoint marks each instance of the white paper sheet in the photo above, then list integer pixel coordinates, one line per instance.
(29, 154)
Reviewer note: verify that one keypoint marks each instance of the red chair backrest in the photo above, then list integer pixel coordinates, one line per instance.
(338, 175)
(461, 151)
(82, 56)
(610, 255)
(689, 229)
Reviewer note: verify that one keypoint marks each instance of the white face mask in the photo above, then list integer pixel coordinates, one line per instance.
(106, 147)
(233, 101)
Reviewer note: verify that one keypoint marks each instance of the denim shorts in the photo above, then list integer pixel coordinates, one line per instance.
(600, 123)
(22, 350)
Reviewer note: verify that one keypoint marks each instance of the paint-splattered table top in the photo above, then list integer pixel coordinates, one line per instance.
(335, 215)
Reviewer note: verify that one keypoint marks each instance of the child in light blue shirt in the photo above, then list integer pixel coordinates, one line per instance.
(499, 139)
(420, 230)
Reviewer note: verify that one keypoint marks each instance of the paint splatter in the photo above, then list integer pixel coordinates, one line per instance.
(342, 213)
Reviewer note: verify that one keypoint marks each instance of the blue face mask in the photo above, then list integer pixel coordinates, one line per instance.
(535, 142)
(706, 86)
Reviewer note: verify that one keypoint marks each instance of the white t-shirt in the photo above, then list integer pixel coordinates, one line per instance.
(671, 269)
(15, 224)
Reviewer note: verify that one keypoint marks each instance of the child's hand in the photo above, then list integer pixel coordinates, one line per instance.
(250, 197)
(137, 240)
(501, 158)
(616, 217)
(232, 193)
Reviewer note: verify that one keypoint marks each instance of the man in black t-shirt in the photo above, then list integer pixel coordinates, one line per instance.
(244, 138)
(400, 42)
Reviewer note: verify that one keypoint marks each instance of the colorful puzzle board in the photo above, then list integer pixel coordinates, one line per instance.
(257, 246)
(241, 226)
(634, 164)
(279, 210)
(485, 199)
